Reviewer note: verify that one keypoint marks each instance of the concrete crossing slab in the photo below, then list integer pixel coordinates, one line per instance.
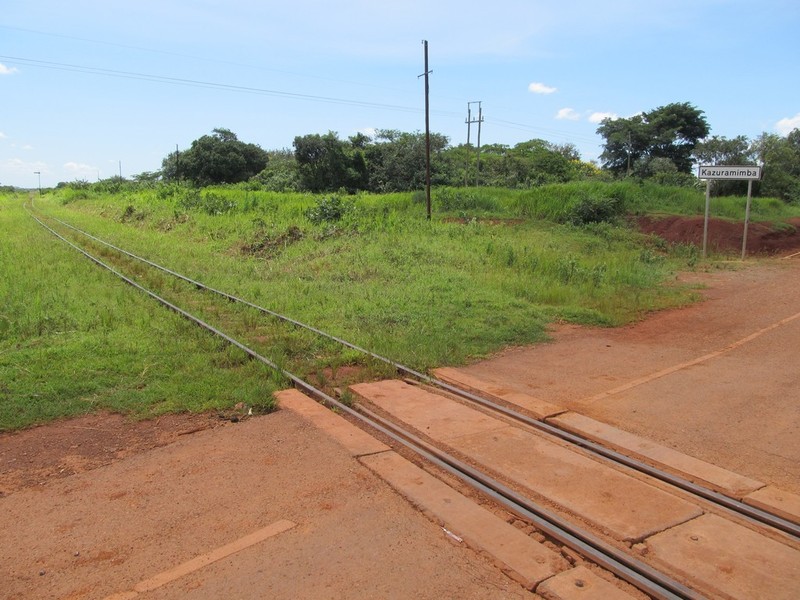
(536, 406)
(780, 502)
(442, 420)
(580, 584)
(356, 441)
(627, 508)
(708, 552)
(693, 469)
(518, 555)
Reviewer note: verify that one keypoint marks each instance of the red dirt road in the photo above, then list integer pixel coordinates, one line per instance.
(102, 533)
(719, 380)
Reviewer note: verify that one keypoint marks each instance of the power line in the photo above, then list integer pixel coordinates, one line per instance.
(517, 126)
(543, 130)
(205, 84)
(98, 71)
(197, 58)
(245, 89)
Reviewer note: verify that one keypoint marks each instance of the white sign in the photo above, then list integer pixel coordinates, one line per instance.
(729, 172)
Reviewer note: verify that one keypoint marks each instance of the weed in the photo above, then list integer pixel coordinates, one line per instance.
(347, 398)
(595, 210)
(457, 199)
(74, 339)
(329, 209)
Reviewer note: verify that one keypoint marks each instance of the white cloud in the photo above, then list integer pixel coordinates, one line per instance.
(786, 126)
(17, 166)
(79, 170)
(540, 88)
(4, 70)
(568, 114)
(598, 117)
(2, 135)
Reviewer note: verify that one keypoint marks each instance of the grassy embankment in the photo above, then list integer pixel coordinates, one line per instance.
(370, 269)
(75, 339)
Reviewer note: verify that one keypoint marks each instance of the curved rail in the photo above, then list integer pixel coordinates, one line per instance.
(722, 500)
(625, 566)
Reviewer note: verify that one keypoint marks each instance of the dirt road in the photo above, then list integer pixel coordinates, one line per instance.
(129, 525)
(719, 380)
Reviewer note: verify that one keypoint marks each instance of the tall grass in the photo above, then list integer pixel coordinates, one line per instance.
(74, 339)
(423, 292)
(557, 202)
(493, 268)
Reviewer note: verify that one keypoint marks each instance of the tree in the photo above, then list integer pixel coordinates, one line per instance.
(280, 174)
(627, 141)
(675, 130)
(147, 177)
(723, 151)
(326, 163)
(781, 158)
(540, 162)
(718, 150)
(535, 162)
(217, 158)
(667, 132)
(396, 160)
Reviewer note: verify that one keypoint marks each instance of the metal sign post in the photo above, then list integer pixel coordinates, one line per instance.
(705, 221)
(747, 216)
(738, 172)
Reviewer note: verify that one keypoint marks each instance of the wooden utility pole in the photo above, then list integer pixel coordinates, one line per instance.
(470, 121)
(478, 160)
(427, 133)
(469, 125)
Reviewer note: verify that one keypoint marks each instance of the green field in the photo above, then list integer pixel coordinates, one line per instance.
(492, 268)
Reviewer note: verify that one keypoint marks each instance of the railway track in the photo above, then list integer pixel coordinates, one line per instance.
(614, 557)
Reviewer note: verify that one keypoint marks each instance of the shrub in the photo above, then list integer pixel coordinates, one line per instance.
(328, 210)
(210, 202)
(71, 194)
(595, 210)
(449, 199)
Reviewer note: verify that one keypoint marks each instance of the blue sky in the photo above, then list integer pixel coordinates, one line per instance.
(87, 85)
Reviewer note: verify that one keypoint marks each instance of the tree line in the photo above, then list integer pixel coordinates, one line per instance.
(663, 144)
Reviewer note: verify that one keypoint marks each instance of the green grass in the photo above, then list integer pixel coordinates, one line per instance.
(493, 268)
(426, 293)
(75, 339)
(557, 202)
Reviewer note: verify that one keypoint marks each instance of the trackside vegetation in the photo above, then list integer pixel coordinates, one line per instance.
(494, 267)
(74, 339)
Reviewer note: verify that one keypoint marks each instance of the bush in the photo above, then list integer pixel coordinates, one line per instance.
(449, 199)
(71, 194)
(595, 210)
(328, 210)
(210, 202)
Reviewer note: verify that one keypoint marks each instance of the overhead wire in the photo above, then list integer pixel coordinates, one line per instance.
(506, 124)
(268, 92)
(206, 84)
(197, 58)
(543, 130)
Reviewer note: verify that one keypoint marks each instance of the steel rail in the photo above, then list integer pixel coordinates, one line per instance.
(637, 573)
(723, 500)
(727, 502)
